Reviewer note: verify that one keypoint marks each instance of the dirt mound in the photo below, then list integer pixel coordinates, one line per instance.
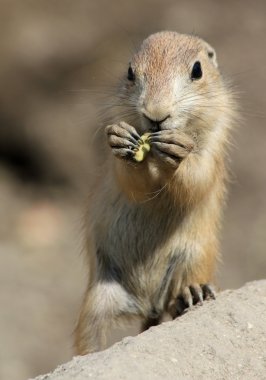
(224, 339)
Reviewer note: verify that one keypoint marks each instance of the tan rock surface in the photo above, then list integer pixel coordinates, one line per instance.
(224, 339)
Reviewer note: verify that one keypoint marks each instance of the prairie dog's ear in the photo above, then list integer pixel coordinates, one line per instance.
(211, 53)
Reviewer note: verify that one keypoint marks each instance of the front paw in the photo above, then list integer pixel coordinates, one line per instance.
(192, 295)
(171, 146)
(123, 139)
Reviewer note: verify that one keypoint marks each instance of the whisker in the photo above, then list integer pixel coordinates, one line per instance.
(157, 193)
(192, 114)
(200, 95)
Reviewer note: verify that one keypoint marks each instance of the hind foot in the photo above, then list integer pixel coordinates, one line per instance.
(191, 295)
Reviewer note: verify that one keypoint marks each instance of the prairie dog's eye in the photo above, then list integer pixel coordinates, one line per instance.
(130, 74)
(196, 72)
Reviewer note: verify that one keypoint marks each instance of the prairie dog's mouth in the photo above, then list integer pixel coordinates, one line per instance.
(155, 125)
(154, 128)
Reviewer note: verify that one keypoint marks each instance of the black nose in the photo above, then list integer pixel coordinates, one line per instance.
(155, 124)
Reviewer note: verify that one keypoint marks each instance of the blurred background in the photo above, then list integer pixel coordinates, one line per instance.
(58, 60)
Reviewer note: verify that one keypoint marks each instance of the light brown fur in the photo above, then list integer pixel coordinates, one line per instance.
(152, 229)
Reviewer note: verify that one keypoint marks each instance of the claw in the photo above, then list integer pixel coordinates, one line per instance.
(180, 307)
(197, 294)
(123, 152)
(208, 291)
(187, 296)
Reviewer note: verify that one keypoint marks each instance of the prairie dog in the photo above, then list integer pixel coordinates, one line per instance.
(152, 225)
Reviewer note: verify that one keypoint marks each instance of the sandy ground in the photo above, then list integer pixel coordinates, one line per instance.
(223, 339)
(56, 59)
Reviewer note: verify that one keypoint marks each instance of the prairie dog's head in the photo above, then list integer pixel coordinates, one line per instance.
(173, 81)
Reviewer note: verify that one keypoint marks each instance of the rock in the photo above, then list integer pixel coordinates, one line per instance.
(223, 339)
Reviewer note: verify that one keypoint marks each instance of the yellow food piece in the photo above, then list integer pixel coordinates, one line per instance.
(143, 149)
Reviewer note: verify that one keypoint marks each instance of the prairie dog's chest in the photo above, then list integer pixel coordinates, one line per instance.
(138, 230)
